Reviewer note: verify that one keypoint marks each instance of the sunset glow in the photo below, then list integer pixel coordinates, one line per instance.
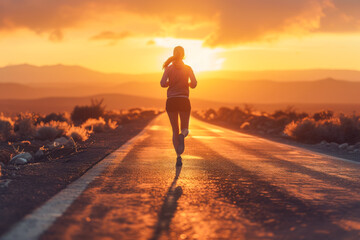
(191, 119)
(136, 37)
(200, 57)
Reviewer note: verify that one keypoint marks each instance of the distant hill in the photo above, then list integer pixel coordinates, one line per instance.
(63, 74)
(231, 91)
(321, 91)
(264, 87)
(215, 90)
(55, 74)
(284, 75)
(24, 91)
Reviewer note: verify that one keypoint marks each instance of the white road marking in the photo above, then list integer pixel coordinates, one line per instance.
(32, 226)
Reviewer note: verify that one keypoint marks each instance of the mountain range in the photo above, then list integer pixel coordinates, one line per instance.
(73, 83)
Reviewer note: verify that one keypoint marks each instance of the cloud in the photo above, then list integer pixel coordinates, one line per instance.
(218, 22)
(56, 36)
(109, 35)
(344, 16)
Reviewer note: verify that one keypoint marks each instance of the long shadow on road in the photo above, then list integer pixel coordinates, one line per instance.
(169, 207)
(279, 212)
(296, 167)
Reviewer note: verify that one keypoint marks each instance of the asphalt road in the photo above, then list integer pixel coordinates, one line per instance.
(231, 186)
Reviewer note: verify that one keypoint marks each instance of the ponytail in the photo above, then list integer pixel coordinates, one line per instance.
(178, 54)
(168, 61)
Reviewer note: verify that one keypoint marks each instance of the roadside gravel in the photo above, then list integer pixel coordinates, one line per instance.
(26, 187)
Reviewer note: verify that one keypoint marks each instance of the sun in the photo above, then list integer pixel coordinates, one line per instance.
(200, 58)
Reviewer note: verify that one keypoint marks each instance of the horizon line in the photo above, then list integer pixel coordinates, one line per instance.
(201, 72)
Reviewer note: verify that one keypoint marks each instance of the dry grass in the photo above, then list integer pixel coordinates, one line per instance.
(31, 132)
(321, 126)
(84, 121)
(78, 134)
(342, 129)
(6, 127)
(95, 125)
(57, 117)
(53, 130)
(25, 125)
(248, 119)
(112, 124)
(82, 113)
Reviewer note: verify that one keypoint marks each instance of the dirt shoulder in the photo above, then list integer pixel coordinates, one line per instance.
(323, 148)
(29, 186)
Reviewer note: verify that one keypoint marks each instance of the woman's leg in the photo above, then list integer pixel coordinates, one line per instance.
(174, 120)
(184, 120)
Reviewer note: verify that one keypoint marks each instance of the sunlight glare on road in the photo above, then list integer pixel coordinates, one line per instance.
(203, 137)
(158, 128)
(191, 157)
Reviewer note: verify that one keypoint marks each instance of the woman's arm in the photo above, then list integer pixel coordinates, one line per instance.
(193, 82)
(164, 80)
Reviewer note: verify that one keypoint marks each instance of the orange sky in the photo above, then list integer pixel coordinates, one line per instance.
(136, 36)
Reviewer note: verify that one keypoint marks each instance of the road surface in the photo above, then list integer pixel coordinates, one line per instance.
(231, 186)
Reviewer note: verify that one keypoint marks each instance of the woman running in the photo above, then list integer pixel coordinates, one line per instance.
(176, 76)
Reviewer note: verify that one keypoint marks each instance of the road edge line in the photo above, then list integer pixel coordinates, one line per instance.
(33, 225)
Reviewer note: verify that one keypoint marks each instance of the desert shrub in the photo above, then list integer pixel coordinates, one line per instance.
(57, 117)
(224, 113)
(112, 124)
(5, 156)
(133, 113)
(262, 123)
(248, 109)
(82, 113)
(301, 116)
(48, 133)
(114, 115)
(237, 116)
(125, 118)
(340, 130)
(289, 114)
(78, 133)
(281, 122)
(323, 115)
(147, 113)
(25, 127)
(304, 130)
(6, 128)
(96, 125)
(135, 110)
(279, 114)
(245, 126)
(51, 130)
(210, 114)
(350, 128)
